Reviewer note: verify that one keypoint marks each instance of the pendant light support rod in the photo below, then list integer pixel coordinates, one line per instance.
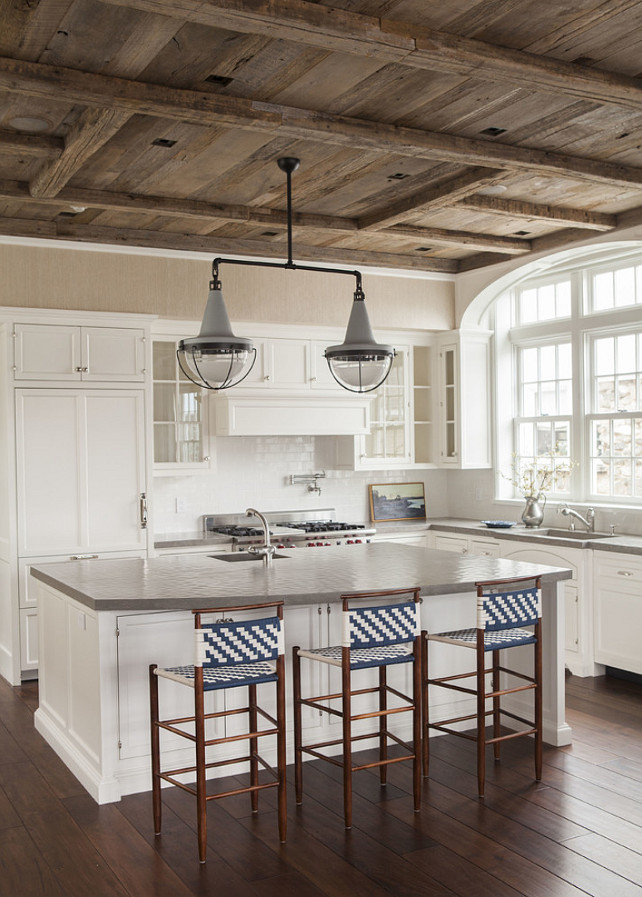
(291, 266)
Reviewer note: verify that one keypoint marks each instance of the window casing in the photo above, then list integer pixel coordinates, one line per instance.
(575, 344)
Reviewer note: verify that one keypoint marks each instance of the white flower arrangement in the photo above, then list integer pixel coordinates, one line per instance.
(540, 475)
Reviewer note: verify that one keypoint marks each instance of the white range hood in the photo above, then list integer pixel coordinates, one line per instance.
(269, 414)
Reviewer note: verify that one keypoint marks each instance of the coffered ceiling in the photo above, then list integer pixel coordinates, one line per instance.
(432, 136)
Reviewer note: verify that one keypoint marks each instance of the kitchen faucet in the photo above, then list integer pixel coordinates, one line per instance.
(588, 521)
(266, 551)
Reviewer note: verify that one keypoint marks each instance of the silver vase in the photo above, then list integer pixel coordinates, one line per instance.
(533, 514)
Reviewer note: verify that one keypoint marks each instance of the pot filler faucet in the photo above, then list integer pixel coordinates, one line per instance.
(266, 551)
(588, 521)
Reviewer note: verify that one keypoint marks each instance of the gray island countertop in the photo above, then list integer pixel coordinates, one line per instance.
(298, 577)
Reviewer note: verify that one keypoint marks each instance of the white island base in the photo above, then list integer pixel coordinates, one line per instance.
(93, 689)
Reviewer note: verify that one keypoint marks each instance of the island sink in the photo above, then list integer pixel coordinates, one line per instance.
(241, 556)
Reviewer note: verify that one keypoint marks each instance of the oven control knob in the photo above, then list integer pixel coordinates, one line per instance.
(320, 543)
(357, 541)
(327, 543)
(280, 546)
(311, 545)
(350, 542)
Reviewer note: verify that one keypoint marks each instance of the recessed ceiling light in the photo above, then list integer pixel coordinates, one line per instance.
(423, 248)
(163, 141)
(493, 190)
(77, 209)
(221, 80)
(270, 233)
(398, 176)
(520, 233)
(31, 123)
(493, 132)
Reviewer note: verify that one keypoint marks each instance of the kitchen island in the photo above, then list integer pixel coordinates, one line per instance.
(103, 621)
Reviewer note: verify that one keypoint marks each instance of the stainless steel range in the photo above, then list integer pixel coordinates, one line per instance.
(317, 528)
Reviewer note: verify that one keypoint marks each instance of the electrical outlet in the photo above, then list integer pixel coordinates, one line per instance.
(180, 505)
(479, 496)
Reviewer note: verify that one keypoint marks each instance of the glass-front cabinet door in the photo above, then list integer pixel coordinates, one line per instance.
(180, 426)
(388, 441)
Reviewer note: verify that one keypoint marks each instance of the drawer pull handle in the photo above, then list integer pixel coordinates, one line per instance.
(82, 557)
(624, 573)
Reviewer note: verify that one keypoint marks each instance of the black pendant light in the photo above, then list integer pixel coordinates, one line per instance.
(217, 359)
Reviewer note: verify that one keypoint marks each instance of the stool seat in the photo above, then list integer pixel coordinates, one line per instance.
(493, 641)
(222, 677)
(361, 658)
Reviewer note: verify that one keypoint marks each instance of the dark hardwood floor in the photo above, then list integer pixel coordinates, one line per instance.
(579, 832)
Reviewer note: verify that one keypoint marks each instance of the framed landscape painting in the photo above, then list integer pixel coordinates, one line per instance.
(397, 501)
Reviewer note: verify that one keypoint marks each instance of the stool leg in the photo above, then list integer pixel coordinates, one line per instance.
(254, 747)
(201, 799)
(383, 740)
(538, 701)
(155, 748)
(481, 715)
(496, 716)
(347, 742)
(416, 723)
(424, 702)
(296, 700)
(280, 746)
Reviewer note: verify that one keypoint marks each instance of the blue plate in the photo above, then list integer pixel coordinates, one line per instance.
(498, 524)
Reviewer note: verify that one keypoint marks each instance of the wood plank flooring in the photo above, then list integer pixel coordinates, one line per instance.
(577, 833)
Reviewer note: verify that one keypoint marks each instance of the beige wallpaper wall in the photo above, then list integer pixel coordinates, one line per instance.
(172, 287)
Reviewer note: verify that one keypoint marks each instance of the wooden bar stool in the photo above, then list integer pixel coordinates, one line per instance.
(373, 636)
(228, 655)
(503, 607)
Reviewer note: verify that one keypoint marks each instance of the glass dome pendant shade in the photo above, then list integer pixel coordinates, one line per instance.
(216, 358)
(359, 364)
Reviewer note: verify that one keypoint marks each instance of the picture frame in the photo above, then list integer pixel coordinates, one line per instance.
(397, 501)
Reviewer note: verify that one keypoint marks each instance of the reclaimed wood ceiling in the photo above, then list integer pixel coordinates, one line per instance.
(432, 136)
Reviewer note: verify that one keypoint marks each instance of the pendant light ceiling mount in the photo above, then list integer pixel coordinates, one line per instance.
(217, 359)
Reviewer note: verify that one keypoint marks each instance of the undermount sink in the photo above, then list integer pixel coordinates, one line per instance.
(242, 556)
(580, 535)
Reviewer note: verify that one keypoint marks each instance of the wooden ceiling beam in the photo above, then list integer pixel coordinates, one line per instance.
(208, 110)
(213, 244)
(430, 198)
(544, 214)
(424, 48)
(274, 218)
(93, 129)
(30, 145)
(469, 239)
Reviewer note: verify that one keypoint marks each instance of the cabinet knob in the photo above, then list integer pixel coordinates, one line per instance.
(624, 573)
(206, 458)
(313, 379)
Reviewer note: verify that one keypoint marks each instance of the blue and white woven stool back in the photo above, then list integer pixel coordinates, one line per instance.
(251, 641)
(509, 610)
(369, 627)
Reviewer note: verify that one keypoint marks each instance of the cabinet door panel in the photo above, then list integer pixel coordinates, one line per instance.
(114, 462)
(48, 472)
(44, 351)
(113, 353)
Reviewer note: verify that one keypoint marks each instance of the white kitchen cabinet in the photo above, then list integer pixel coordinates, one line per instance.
(464, 400)
(465, 544)
(180, 415)
(421, 540)
(28, 641)
(70, 353)
(80, 458)
(618, 610)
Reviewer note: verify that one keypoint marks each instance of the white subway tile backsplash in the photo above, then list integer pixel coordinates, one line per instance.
(256, 471)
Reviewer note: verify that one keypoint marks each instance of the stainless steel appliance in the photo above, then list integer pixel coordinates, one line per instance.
(317, 528)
